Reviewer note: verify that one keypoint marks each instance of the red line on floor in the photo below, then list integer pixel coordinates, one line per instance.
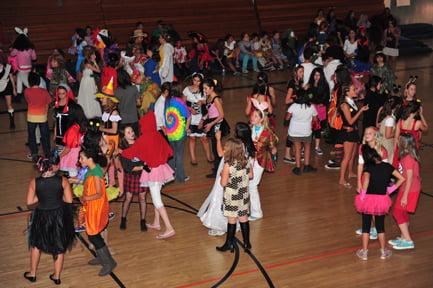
(296, 261)
(14, 216)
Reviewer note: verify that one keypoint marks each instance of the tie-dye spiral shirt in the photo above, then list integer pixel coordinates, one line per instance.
(176, 115)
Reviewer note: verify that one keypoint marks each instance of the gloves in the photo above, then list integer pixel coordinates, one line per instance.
(391, 189)
(363, 192)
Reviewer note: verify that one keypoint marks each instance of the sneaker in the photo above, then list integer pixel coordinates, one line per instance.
(237, 65)
(363, 254)
(252, 218)
(385, 253)
(186, 178)
(245, 71)
(80, 229)
(237, 73)
(332, 166)
(256, 70)
(373, 233)
(331, 161)
(289, 160)
(394, 242)
(404, 244)
(111, 216)
(212, 232)
(297, 171)
(318, 151)
(309, 168)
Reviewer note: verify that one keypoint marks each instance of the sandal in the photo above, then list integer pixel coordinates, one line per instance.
(194, 163)
(347, 185)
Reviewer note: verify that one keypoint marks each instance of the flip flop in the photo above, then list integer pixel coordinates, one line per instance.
(347, 185)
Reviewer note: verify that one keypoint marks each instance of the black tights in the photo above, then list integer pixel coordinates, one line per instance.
(97, 241)
(366, 223)
(215, 152)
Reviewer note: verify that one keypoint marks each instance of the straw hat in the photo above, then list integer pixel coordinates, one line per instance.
(138, 33)
(108, 92)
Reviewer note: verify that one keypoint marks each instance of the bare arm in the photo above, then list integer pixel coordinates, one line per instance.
(399, 177)
(31, 197)
(67, 191)
(408, 184)
(225, 175)
(289, 95)
(346, 111)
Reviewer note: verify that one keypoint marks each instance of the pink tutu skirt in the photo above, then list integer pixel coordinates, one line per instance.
(70, 160)
(163, 173)
(373, 204)
(321, 112)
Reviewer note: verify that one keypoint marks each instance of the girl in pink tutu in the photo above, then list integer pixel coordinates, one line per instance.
(407, 199)
(154, 151)
(374, 199)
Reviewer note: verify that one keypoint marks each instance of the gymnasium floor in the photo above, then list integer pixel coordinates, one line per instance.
(306, 238)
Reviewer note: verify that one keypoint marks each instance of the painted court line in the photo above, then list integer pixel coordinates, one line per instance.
(295, 261)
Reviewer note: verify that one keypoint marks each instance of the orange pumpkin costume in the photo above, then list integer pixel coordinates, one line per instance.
(96, 216)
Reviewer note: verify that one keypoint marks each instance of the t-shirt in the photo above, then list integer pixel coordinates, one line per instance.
(380, 174)
(193, 98)
(176, 115)
(159, 112)
(408, 163)
(127, 103)
(38, 100)
(308, 68)
(350, 48)
(300, 123)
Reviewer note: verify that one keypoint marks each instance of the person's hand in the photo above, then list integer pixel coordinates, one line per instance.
(14, 92)
(365, 108)
(403, 201)
(207, 127)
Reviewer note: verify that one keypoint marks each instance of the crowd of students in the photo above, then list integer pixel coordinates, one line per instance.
(106, 131)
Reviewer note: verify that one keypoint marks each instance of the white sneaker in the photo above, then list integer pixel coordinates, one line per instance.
(212, 232)
(245, 71)
(318, 151)
(385, 253)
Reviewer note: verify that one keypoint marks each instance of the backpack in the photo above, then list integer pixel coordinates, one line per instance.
(334, 118)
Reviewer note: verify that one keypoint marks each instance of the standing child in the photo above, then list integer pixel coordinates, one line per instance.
(374, 199)
(131, 181)
(265, 142)
(96, 204)
(180, 58)
(407, 199)
(110, 132)
(154, 150)
(38, 100)
(234, 178)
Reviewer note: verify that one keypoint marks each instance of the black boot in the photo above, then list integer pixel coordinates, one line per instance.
(143, 226)
(108, 263)
(229, 245)
(11, 120)
(245, 228)
(123, 223)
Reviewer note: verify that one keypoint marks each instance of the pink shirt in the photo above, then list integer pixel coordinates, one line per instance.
(24, 58)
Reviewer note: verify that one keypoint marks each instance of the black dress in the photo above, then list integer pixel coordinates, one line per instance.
(52, 226)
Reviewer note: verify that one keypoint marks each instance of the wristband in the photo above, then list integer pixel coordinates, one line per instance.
(391, 189)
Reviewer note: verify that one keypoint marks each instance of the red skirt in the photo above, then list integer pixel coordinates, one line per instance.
(131, 183)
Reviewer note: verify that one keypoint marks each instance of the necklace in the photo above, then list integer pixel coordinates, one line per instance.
(48, 174)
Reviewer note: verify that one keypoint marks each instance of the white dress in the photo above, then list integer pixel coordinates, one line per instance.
(86, 95)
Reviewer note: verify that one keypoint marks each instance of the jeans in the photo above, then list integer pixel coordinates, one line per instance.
(176, 162)
(245, 58)
(45, 137)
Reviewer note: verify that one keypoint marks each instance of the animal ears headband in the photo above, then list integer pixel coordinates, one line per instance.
(24, 31)
(412, 80)
(260, 106)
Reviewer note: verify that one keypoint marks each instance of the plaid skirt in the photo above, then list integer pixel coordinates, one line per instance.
(131, 183)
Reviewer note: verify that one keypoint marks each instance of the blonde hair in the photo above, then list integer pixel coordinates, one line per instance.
(264, 115)
(378, 143)
(234, 152)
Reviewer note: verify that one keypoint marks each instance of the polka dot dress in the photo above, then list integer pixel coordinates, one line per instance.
(236, 194)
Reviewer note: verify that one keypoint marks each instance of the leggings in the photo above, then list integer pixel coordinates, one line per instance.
(97, 241)
(366, 223)
(155, 192)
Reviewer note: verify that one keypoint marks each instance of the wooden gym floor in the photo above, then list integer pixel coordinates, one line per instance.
(306, 238)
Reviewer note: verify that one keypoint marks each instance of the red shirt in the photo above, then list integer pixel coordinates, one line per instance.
(38, 100)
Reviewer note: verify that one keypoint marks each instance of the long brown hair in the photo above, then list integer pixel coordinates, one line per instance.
(234, 152)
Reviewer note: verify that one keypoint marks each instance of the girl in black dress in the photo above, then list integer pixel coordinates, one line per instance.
(52, 228)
